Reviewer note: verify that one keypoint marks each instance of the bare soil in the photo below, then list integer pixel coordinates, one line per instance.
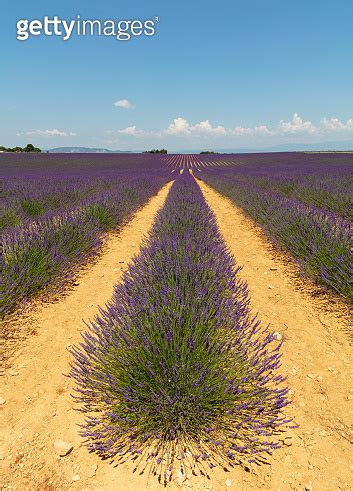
(38, 408)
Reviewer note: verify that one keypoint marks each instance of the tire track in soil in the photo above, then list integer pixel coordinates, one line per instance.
(38, 408)
(316, 358)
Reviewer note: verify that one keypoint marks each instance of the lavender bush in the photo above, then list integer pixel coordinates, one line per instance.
(175, 368)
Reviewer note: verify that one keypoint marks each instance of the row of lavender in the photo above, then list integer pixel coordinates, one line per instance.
(54, 219)
(303, 209)
(176, 368)
(318, 179)
(41, 186)
(25, 201)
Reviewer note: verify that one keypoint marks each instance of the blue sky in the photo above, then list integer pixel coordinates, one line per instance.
(223, 74)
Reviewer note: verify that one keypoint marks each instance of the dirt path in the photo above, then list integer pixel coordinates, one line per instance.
(316, 356)
(38, 408)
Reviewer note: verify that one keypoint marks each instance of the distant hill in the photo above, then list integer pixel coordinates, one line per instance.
(84, 150)
(286, 147)
(336, 146)
(304, 147)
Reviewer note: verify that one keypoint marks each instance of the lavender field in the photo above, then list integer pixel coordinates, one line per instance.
(55, 211)
(176, 372)
(303, 202)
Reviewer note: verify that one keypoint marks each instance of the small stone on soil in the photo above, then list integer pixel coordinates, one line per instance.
(13, 372)
(2, 401)
(228, 483)
(62, 448)
(76, 477)
(278, 336)
(288, 441)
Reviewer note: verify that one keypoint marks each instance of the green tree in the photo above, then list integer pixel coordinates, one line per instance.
(31, 148)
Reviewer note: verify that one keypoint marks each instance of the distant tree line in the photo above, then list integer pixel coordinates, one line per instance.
(207, 151)
(27, 148)
(163, 150)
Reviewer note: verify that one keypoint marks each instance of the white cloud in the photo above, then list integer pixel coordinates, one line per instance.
(205, 127)
(48, 133)
(262, 130)
(124, 104)
(335, 124)
(179, 126)
(297, 125)
(131, 131)
(257, 130)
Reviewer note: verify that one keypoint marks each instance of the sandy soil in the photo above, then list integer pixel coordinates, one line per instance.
(38, 409)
